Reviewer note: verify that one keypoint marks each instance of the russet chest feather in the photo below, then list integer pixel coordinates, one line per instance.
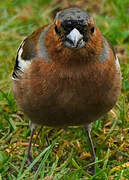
(64, 85)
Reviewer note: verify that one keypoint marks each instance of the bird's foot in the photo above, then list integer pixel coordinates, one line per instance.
(30, 160)
(91, 170)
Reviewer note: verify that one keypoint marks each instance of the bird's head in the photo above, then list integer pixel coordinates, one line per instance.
(74, 27)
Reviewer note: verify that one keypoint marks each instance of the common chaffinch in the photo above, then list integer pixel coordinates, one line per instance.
(66, 74)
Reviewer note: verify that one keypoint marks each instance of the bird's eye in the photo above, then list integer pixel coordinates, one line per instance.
(92, 29)
(57, 30)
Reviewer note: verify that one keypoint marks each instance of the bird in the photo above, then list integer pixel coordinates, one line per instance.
(66, 74)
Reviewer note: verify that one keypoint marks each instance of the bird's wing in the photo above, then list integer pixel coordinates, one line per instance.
(32, 47)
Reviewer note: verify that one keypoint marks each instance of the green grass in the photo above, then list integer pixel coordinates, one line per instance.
(62, 153)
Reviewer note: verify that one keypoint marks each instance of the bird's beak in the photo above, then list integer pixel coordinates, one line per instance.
(74, 37)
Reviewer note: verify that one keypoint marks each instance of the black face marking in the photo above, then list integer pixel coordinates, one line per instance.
(69, 25)
(73, 18)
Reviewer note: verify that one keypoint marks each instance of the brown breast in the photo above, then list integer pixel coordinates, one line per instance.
(59, 95)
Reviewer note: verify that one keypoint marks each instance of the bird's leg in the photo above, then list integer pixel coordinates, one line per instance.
(92, 168)
(29, 156)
